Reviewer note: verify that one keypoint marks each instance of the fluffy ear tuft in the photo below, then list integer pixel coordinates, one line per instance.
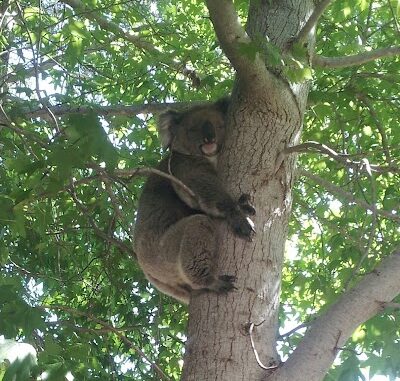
(223, 104)
(166, 123)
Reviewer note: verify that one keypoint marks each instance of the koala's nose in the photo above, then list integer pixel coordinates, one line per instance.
(208, 131)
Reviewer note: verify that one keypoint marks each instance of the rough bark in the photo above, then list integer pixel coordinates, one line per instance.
(266, 116)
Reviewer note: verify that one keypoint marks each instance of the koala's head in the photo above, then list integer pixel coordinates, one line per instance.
(199, 131)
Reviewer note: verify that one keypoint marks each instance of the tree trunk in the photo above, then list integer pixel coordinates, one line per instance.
(265, 117)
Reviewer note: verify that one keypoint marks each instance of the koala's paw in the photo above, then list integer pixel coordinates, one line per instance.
(243, 227)
(224, 284)
(245, 205)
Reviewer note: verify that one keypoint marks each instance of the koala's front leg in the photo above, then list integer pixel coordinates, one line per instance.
(197, 256)
(246, 205)
(238, 220)
(213, 200)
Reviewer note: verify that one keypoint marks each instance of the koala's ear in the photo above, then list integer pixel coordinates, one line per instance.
(167, 123)
(223, 104)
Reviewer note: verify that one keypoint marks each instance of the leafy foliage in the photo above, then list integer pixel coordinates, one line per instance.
(69, 283)
(354, 111)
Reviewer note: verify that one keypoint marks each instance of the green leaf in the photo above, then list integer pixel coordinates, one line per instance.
(248, 50)
(20, 370)
(4, 255)
(6, 209)
(56, 372)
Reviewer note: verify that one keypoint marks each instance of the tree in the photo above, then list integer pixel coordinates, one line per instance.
(315, 84)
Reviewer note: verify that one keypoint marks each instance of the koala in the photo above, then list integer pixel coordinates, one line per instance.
(175, 237)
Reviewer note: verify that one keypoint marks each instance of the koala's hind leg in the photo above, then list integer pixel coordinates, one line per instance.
(198, 255)
(175, 291)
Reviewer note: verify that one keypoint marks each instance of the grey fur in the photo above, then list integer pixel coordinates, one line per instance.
(175, 234)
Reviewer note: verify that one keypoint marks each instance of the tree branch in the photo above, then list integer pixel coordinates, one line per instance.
(148, 171)
(35, 56)
(348, 196)
(122, 173)
(24, 271)
(311, 22)
(150, 108)
(100, 233)
(49, 63)
(6, 122)
(365, 249)
(345, 159)
(357, 59)
(136, 40)
(295, 329)
(110, 329)
(31, 71)
(232, 37)
(317, 351)
(105, 24)
(119, 173)
(367, 102)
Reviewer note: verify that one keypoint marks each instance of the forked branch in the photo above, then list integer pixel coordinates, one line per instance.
(311, 22)
(233, 37)
(317, 351)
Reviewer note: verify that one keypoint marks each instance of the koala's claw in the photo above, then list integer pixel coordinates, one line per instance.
(245, 205)
(244, 228)
(225, 283)
(220, 285)
(227, 278)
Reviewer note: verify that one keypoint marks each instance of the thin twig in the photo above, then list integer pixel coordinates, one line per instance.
(371, 234)
(390, 305)
(112, 329)
(97, 331)
(21, 132)
(367, 102)
(48, 64)
(123, 173)
(345, 159)
(394, 16)
(136, 40)
(108, 180)
(35, 65)
(358, 353)
(148, 171)
(338, 191)
(122, 246)
(295, 329)
(32, 274)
